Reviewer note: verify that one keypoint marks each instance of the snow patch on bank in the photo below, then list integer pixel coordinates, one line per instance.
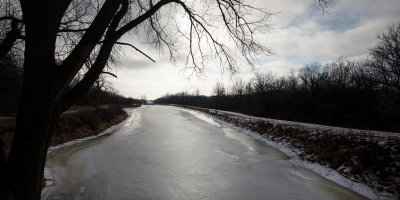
(324, 171)
(204, 117)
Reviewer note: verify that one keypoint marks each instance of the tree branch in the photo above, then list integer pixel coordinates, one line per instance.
(127, 44)
(101, 60)
(73, 63)
(109, 73)
(132, 24)
(67, 30)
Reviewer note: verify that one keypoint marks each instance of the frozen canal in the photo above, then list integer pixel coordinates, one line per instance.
(165, 152)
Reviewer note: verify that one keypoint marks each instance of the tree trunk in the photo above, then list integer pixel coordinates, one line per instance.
(37, 112)
(3, 174)
(29, 149)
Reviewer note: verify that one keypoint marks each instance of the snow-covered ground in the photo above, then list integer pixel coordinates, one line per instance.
(294, 153)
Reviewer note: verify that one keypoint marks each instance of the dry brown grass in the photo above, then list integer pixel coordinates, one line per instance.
(86, 123)
(71, 125)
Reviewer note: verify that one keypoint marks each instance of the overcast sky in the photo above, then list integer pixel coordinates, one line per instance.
(300, 35)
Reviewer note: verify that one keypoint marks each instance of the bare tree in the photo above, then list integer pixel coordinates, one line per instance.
(238, 87)
(280, 83)
(340, 73)
(293, 80)
(49, 71)
(219, 89)
(249, 88)
(386, 57)
(311, 75)
(262, 82)
(363, 77)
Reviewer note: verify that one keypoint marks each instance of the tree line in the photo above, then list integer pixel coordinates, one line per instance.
(359, 94)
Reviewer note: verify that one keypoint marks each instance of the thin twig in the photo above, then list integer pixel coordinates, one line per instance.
(127, 44)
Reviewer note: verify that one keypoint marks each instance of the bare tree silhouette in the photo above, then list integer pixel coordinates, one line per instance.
(386, 57)
(219, 89)
(62, 37)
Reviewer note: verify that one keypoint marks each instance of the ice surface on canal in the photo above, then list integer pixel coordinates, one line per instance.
(169, 153)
